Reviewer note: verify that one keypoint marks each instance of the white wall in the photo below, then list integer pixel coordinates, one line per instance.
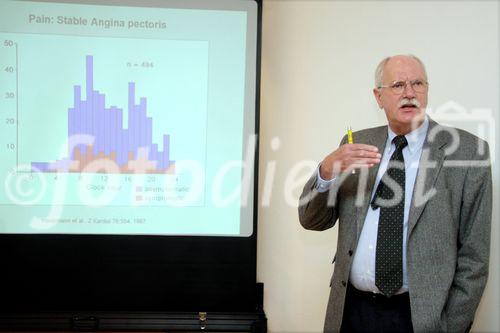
(317, 74)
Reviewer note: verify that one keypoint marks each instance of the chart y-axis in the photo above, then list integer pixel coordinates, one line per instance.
(17, 109)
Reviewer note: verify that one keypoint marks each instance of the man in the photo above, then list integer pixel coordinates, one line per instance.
(414, 218)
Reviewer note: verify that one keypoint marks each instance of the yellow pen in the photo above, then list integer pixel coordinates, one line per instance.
(349, 135)
(350, 141)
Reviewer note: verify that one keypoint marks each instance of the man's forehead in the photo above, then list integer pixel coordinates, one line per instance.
(402, 68)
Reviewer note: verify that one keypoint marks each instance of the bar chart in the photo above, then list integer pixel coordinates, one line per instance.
(140, 106)
(112, 141)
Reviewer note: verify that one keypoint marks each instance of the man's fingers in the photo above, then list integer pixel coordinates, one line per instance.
(350, 156)
(365, 161)
(365, 154)
(361, 150)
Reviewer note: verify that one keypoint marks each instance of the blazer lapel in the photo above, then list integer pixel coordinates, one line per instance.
(378, 139)
(430, 164)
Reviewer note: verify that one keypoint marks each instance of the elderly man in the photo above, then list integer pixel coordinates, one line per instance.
(414, 217)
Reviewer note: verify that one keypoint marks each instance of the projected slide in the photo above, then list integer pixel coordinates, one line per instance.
(126, 120)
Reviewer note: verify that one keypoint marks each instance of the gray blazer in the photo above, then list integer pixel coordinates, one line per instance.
(448, 227)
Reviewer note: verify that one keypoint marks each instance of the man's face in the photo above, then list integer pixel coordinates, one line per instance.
(407, 107)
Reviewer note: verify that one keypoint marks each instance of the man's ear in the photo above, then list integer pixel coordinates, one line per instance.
(377, 94)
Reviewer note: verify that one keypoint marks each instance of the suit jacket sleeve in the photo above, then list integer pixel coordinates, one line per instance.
(473, 248)
(319, 211)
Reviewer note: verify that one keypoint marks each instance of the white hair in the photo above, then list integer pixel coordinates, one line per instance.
(379, 72)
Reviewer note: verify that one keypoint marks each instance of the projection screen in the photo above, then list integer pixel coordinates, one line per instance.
(128, 117)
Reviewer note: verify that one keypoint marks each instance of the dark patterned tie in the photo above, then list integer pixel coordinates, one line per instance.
(389, 255)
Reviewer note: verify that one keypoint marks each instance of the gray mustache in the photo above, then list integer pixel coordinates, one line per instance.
(413, 101)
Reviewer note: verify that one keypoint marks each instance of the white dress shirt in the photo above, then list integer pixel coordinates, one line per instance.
(362, 275)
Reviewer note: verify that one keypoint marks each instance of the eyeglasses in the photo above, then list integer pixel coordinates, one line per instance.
(397, 87)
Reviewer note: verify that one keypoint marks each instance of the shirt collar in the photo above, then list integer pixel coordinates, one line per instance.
(415, 138)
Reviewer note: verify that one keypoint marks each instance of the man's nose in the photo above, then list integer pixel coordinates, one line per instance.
(409, 92)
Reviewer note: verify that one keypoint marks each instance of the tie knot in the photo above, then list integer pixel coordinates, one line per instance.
(400, 142)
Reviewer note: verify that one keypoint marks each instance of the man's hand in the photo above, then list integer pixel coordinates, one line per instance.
(348, 157)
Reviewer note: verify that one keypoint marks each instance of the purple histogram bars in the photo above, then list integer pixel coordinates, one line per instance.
(112, 140)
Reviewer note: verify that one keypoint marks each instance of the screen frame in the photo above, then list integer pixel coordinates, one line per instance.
(51, 272)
